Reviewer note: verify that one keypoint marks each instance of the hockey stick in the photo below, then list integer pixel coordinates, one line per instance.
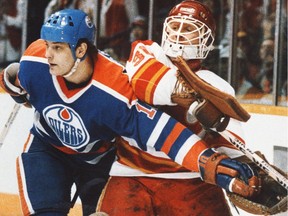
(9, 122)
(255, 158)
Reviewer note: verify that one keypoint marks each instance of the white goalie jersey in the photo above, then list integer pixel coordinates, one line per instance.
(153, 77)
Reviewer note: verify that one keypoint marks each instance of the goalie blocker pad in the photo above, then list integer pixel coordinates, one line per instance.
(224, 102)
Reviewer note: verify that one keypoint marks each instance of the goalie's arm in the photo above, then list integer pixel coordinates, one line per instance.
(10, 83)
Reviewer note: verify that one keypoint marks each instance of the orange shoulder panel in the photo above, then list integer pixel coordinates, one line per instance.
(36, 48)
(111, 75)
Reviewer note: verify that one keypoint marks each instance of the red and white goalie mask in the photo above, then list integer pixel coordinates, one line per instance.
(188, 31)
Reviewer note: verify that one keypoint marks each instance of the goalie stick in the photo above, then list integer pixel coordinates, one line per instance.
(255, 158)
(8, 123)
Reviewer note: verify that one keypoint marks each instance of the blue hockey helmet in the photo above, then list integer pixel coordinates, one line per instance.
(68, 26)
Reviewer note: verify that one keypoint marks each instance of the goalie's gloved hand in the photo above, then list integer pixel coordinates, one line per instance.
(229, 174)
(8, 78)
(208, 115)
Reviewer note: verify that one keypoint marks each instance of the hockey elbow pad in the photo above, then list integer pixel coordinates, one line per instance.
(7, 80)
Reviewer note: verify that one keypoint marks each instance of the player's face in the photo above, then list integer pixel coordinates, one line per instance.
(59, 57)
(183, 33)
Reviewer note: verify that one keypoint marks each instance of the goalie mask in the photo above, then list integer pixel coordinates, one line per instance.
(188, 31)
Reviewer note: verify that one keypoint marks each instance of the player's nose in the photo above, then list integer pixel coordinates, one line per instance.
(48, 53)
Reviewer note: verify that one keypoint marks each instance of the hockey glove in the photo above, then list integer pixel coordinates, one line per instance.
(7, 81)
(272, 198)
(208, 115)
(229, 174)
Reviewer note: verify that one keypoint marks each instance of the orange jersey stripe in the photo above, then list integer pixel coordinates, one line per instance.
(153, 83)
(65, 149)
(26, 143)
(24, 205)
(145, 80)
(170, 140)
(191, 159)
(105, 146)
(135, 79)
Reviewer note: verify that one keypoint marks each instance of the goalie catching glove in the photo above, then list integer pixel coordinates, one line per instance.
(229, 174)
(214, 108)
(272, 198)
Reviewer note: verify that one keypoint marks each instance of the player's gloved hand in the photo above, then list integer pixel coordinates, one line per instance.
(208, 115)
(7, 81)
(229, 174)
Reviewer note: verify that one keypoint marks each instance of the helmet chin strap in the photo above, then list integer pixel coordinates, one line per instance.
(73, 69)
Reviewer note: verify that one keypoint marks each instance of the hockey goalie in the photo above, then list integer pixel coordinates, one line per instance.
(171, 77)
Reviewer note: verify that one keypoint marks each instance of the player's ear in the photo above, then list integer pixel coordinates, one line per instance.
(81, 50)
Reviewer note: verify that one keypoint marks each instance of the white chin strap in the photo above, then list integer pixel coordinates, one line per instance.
(73, 69)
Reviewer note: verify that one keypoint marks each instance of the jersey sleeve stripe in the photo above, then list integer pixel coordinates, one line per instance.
(191, 158)
(170, 140)
(158, 129)
(181, 139)
(141, 71)
(147, 82)
(184, 149)
(180, 144)
(153, 83)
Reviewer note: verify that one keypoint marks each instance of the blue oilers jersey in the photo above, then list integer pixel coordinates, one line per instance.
(85, 119)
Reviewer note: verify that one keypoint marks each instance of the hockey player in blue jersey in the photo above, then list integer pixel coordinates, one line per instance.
(83, 101)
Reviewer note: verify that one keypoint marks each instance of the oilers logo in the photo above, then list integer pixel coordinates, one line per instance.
(67, 125)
